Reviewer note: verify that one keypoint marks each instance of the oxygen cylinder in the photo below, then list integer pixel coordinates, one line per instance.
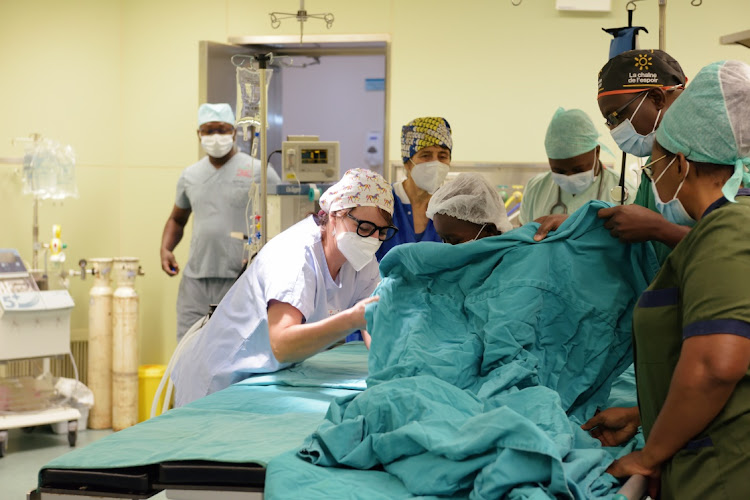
(100, 345)
(125, 344)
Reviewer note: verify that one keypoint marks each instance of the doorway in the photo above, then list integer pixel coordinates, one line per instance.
(335, 87)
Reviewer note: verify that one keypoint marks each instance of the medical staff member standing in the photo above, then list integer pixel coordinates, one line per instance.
(216, 189)
(577, 175)
(306, 289)
(691, 327)
(426, 146)
(635, 89)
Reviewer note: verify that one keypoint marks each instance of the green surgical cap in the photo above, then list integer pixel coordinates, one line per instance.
(710, 121)
(570, 133)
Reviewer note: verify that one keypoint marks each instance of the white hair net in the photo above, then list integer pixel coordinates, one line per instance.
(472, 198)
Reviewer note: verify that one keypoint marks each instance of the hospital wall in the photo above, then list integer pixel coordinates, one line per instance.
(118, 80)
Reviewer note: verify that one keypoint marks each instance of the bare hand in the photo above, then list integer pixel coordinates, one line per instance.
(548, 223)
(613, 426)
(367, 338)
(633, 223)
(357, 313)
(169, 263)
(633, 463)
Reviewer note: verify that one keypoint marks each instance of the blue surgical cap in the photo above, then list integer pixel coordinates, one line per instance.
(570, 133)
(710, 121)
(221, 112)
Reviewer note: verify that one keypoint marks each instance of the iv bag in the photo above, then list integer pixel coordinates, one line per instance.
(248, 98)
(49, 170)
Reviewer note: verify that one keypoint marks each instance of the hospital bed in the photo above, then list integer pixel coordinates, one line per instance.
(216, 447)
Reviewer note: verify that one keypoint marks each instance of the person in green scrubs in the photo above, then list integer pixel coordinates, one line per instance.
(691, 327)
(634, 91)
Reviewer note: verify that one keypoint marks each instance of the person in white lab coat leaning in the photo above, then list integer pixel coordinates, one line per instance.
(306, 290)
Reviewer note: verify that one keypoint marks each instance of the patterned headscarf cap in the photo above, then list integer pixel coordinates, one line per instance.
(358, 188)
(423, 132)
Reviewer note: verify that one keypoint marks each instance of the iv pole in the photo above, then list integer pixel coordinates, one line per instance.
(663, 25)
(263, 60)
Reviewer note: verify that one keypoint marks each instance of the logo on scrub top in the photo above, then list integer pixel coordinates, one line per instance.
(332, 312)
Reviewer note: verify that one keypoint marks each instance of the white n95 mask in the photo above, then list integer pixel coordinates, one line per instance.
(576, 183)
(217, 145)
(430, 175)
(358, 251)
(629, 140)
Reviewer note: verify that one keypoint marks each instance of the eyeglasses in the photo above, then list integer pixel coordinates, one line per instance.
(365, 228)
(648, 169)
(613, 119)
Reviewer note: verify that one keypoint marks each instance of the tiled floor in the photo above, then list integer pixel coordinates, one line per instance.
(28, 452)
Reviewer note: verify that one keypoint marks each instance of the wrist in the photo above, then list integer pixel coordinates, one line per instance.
(650, 458)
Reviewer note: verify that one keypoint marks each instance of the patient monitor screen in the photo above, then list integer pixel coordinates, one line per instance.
(314, 156)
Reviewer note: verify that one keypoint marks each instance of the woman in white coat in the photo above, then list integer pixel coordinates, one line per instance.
(306, 289)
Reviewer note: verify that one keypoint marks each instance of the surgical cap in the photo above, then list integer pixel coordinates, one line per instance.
(472, 198)
(570, 133)
(358, 188)
(423, 132)
(215, 113)
(639, 70)
(710, 121)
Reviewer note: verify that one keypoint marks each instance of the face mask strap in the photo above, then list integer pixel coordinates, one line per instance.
(480, 232)
(656, 121)
(665, 170)
(596, 163)
(687, 171)
(639, 107)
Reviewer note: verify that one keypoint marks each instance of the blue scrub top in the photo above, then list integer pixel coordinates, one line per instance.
(403, 220)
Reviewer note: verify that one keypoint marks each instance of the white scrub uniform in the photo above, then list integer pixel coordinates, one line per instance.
(541, 193)
(235, 343)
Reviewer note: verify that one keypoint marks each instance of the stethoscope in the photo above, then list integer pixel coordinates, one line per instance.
(615, 194)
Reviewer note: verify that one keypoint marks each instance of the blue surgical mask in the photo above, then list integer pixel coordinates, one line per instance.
(629, 140)
(673, 210)
(575, 183)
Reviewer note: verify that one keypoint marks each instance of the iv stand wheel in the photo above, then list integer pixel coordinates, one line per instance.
(3, 442)
(72, 432)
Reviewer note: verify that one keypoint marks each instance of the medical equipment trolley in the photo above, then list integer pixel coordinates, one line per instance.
(33, 324)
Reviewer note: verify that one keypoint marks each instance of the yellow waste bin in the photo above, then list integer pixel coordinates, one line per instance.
(149, 377)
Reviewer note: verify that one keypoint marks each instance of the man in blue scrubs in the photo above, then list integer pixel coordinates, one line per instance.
(426, 145)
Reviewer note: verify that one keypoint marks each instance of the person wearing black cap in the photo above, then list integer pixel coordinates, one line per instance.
(635, 88)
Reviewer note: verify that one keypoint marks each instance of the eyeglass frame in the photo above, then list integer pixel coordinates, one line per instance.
(375, 228)
(609, 120)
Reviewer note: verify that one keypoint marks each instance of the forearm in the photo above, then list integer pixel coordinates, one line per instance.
(297, 342)
(670, 234)
(172, 235)
(693, 401)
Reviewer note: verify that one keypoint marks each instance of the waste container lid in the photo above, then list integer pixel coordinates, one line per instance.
(148, 371)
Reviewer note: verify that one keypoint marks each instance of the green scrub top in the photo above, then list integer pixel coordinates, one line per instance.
(703, 288)
(645, 198)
